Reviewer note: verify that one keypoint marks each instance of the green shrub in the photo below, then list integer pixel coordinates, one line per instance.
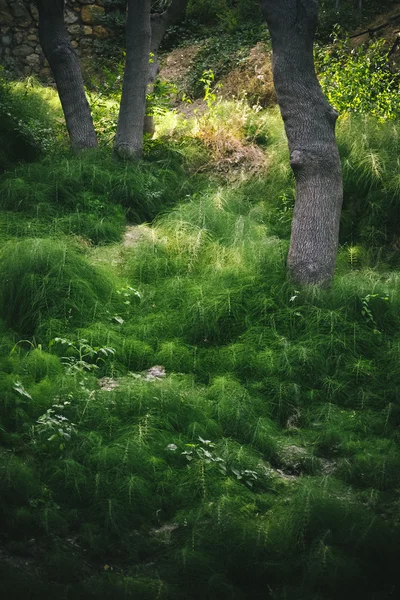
(358, 79)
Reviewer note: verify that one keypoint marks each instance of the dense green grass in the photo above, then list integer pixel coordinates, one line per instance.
(29, 121)
(266, 463)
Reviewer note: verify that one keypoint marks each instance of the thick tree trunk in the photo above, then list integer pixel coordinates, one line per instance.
(310, 129)
(67, 73)
(129, 138)
(159, 25)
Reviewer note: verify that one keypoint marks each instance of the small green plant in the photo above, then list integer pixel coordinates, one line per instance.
(159, 100)
(204, 452)
(54, 427)
(82, 356)
(367, 307)
(210, 97)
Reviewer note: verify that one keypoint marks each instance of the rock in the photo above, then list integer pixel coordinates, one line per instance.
(45, 73)
(19, 38)
(86, 42)
(87, 30)
(22, 51)
(164, 532)
(6, 18)
(33, 60)
(92, 14)
(293, 459)
(34, 13)
(19, 10)
(6, 40)
(74, 44)
(70, 17)
(100, 32)
(156, 372)
(74, 29)
(108, 384)
(25, 22)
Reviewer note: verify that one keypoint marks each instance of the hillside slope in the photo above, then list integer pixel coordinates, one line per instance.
(177, 421)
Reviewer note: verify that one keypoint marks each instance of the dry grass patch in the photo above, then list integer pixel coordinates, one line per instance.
(177, 64)
(252, 79)
(223, 131)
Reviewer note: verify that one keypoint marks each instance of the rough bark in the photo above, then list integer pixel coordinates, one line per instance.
(129, 138)
(310, 128)
(159, 25)
(66, 69)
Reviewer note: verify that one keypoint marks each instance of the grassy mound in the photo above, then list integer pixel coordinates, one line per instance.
(29, 116)
(46, 278)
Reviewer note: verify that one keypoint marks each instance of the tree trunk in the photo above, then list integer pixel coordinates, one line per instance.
(310, 129)
(159, 25)
(129, 138)
(67, 73)
(359, 9)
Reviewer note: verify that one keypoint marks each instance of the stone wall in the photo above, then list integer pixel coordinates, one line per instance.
(20, 51)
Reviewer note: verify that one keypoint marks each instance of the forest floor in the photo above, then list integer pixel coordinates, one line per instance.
(177, 420)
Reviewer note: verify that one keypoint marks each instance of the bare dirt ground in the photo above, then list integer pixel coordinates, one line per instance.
(176, 65)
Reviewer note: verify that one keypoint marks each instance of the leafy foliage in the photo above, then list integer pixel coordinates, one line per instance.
(358, 79)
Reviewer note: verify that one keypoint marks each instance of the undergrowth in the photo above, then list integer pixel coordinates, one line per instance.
(176, 420)
(29, 121)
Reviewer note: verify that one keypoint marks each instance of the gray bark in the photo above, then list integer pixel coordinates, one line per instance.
(310, 128)
(129, 138)
(66, 69)
(159, 25)
(359, 7)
